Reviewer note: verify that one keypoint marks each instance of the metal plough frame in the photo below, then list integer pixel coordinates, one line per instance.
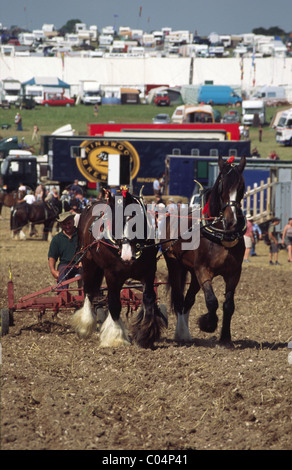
(66, 299)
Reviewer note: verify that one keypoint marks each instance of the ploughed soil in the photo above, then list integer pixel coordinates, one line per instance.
(59, 392)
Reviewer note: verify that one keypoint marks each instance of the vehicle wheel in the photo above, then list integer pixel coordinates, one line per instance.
(4, 321)
(46, 104)
(68, 105)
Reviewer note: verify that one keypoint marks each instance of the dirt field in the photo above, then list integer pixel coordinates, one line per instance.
(58, 392)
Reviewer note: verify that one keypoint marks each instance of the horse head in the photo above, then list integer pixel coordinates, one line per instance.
(228, 191)
(131, 225)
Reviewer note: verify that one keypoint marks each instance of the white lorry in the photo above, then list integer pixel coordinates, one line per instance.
(250, 108)
(284, 128)
(90, 92)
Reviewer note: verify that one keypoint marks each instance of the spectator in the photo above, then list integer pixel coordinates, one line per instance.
(162, 183)
(52, 196)
(248, 238)
(171, 206)
(95, 110)
(257, 235)
(246, 132)
(28, 198)
(273, 156)
(21, 187)
(18, 122)
(35, 133)
(287, 238)
(273, 236)
(156, 187)
(260, 133)
(40, 193)
(255, 153)
(75, 188)
(82, 201)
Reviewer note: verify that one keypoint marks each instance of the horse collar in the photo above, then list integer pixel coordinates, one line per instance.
(227, 238)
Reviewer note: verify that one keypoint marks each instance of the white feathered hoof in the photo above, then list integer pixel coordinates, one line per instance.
(84, 320)
(113, 333)
(22, 235)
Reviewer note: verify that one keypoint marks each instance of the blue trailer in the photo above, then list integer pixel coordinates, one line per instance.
(183, 171)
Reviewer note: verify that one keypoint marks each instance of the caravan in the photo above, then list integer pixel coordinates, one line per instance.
(189, 113)
(273, 95)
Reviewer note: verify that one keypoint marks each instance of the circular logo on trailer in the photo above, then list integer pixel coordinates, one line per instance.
(94, 164)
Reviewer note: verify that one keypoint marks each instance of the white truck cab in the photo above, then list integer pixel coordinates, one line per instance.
(284, 128)
(252, 107)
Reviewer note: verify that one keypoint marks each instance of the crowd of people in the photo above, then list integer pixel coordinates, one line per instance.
(273, 238)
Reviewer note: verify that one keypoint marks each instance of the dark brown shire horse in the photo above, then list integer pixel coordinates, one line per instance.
(114, 236)
(220, 253)
(35, 213)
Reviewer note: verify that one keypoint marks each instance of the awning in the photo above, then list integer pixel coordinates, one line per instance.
(47, 81)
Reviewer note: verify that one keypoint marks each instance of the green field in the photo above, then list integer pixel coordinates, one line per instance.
(49, 119)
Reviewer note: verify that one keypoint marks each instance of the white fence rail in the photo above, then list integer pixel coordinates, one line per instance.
(260, 201)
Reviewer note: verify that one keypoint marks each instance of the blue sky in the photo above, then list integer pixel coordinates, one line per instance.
(203, 16)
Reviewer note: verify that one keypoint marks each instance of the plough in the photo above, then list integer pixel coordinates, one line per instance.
(62, 297)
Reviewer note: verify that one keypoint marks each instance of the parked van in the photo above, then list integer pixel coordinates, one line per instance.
(252, 107)
(217, 94)
(284, 128)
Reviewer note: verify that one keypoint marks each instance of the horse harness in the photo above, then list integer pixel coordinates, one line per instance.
(109, 240)
(227, 238)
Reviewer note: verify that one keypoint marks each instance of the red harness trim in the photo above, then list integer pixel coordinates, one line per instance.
(206, 209)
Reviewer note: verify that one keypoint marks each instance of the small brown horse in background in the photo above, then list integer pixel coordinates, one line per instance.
(220, 253)
(10, 199)
(118, 256)
(36, 213)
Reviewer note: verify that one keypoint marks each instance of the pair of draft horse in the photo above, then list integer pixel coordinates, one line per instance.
(220, 252)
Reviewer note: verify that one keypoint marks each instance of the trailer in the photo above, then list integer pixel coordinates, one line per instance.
(99, 129)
